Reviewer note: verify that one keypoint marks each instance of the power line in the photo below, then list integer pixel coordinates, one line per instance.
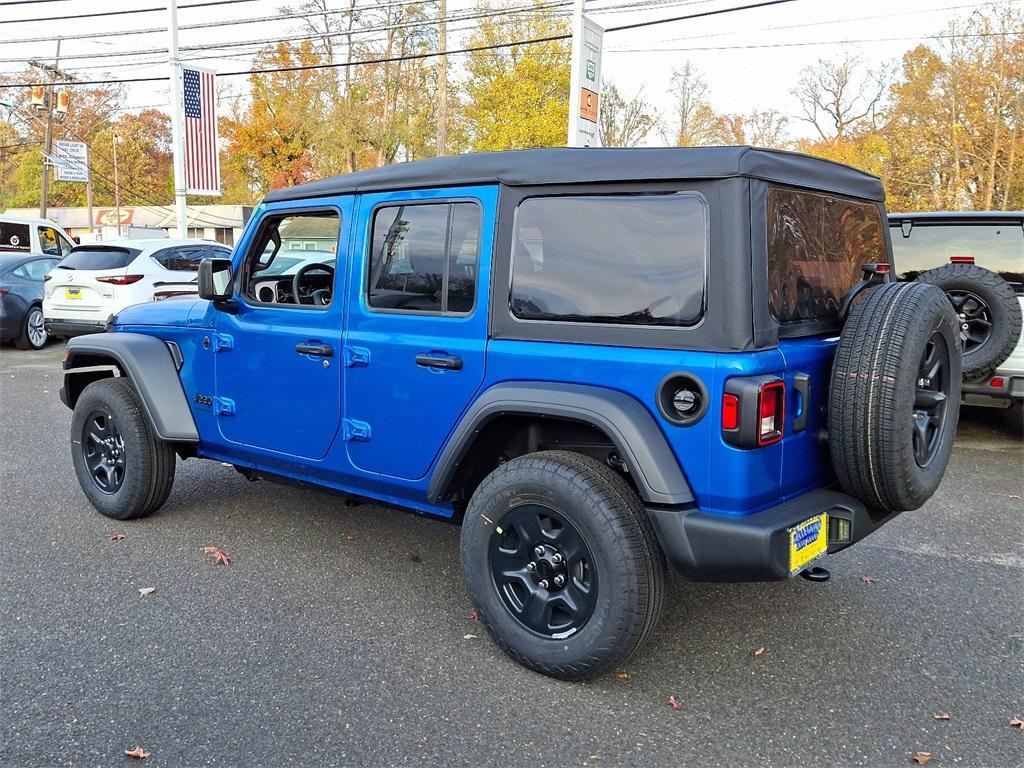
(162, 8)
(430, 22)
(413, 56)
(808, 43)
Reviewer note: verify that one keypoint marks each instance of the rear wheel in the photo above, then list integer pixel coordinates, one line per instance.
(33, 334)
(123, 470)
(988, 312)
(562, 564)
(895, 395)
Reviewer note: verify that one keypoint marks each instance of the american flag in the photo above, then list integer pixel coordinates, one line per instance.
(202, 165)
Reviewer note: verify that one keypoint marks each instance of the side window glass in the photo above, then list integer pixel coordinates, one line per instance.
(14, 237)
(48, 241)
(65, 246)
(22, 272)
(424, 257)
(180, 259)
(296, 250)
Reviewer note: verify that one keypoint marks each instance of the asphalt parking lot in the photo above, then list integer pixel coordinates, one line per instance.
(342, 636)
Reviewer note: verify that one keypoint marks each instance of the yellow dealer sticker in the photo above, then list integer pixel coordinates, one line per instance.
(807, 541)
(72, 293)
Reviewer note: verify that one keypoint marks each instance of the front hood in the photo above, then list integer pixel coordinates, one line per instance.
(173, 311)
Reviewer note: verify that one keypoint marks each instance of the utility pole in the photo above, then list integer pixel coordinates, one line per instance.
(44, 192)
(442, 78)
(177, 127)
(117, 186)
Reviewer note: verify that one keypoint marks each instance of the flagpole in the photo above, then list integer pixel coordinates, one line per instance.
(177, 128)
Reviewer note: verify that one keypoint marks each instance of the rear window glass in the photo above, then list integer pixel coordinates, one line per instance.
(99, 258)
(998, 247)
(187, 259)
(817, 245)
(637, 259)
(14, 237)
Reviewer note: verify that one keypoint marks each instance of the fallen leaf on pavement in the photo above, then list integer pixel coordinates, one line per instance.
(116, 537)
(942, 716)
(622, 674)
(349, 537)
(921, 757)
(868, 579)
(757, 651)
(138, 753)
(469, 637)
(220, 557)
(672, 703)
(474, 615)
(1016, 722)
(147, 591)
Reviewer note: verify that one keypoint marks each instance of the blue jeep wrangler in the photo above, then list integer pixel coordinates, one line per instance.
(596, 360)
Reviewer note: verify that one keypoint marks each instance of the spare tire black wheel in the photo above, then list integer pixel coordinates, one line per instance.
(988, 311)
(895, 395)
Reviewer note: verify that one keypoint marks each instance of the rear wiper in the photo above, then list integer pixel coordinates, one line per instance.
(64, 266)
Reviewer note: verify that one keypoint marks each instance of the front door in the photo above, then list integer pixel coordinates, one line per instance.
(417, 326)
(278, 350)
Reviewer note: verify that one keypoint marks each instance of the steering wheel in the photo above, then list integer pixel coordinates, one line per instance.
(321, 296)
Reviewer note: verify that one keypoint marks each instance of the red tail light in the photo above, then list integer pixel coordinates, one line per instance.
(996, 382)
(4, 292)
(961, 259)
(120, 279)
(771, 412)
(730, 411)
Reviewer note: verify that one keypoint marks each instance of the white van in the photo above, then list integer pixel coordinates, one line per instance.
(23, 234)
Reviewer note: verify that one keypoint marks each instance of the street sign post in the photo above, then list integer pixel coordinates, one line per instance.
(585, 81)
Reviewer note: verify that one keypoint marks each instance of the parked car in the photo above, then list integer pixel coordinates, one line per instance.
(596, 360)
(96, 281)
(21, 298)
(977, 258)
(22, 234)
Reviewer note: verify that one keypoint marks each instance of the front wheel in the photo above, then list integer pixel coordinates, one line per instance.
(562, 564)
(124, 471)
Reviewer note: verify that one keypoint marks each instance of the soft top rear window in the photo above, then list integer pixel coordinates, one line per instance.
(99, 258)
(817, 244)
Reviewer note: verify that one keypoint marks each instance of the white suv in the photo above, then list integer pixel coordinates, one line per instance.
(96, 281)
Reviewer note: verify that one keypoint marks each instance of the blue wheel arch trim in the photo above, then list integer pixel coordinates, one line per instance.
(628, 424)
(147, 363)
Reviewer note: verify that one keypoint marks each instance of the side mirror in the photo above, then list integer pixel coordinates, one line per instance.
(215, 279)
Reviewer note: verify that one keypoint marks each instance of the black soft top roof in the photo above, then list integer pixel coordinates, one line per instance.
(531, 167)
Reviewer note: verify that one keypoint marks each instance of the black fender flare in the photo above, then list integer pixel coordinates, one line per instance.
(631, 427)
(147, 363)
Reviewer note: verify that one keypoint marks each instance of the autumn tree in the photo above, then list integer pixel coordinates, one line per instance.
(515, 97)
(624, 123)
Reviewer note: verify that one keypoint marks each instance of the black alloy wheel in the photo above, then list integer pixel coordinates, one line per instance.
(975, 319)
(543, 571)
(103, 450)
(930, 397)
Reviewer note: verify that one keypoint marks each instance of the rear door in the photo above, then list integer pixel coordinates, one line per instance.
(417, 329)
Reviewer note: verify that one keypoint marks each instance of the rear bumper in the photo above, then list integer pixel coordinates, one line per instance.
(56, 327)
(755, 547)
(1009, 387)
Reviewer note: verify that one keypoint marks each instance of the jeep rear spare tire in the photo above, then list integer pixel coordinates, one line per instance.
(895, 395)
(562, 564)
(988, 312)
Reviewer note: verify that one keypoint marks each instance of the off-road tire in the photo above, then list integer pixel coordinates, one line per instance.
(149, 463)
(1002, 306)
(875, 378)
(24, 339)
(612, 519)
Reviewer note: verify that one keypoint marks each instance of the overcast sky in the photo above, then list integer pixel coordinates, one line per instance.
(751, 59)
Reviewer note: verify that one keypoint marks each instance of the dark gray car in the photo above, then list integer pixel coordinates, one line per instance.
(21, 298)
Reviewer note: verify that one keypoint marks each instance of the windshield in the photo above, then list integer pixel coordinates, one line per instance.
(998, 247)
(817, 245)
(99, 258)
